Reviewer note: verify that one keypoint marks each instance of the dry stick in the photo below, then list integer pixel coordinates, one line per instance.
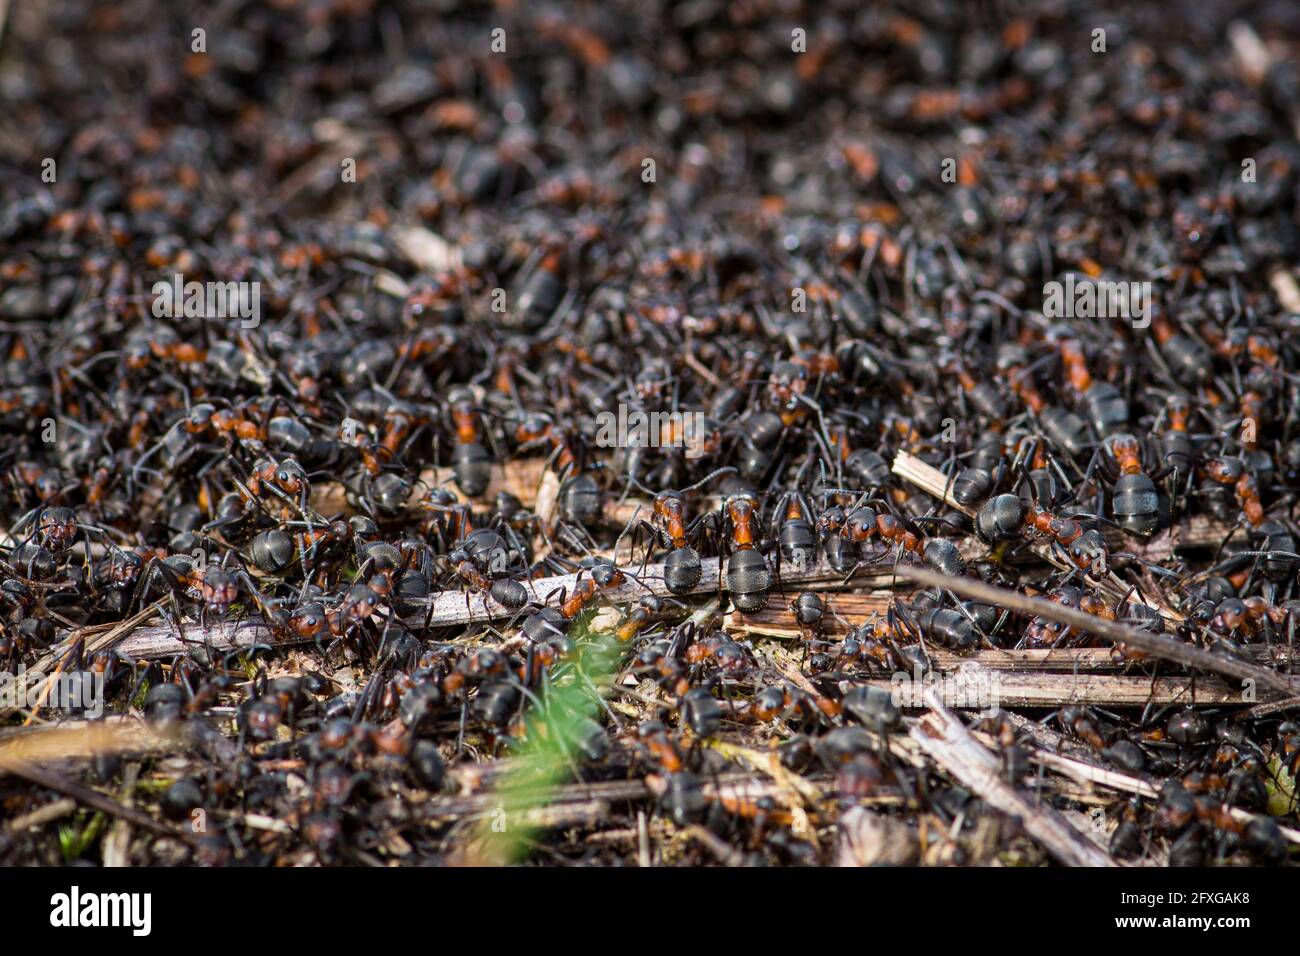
(1075, 660)
(161, 640)
(1036, 677)
(732, 784)
(778, 621)
(858, 609)
(97, 637)
(945, 738)
(478, 804)
(116, 852)
(1197, 531)
(1082, 769)
(1041, 677)
(46, 689)
(643, 858)
(91, 798)
(1058, 690)
(1113, 631)
(80, 739)
(726, 854)
(56, 810)
(938, 485)
(449, 606)
(1073, 758)
(1272, 707)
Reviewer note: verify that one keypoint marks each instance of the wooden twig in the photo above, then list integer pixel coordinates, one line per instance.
(95, 637)
(1270, 708)
(1084, 770)
(81, 739)
(162, 640)
(1041, 677)
(116, 851)
(44, 777)
(945, 738)
(1195, 531)
(843, 611)
(1003, 689)
(779, 623)
(450, 607)
(937, 485)
(726, 854)
(643, 858)
(730, 785)
(478, 804)
(55, 810)
(1113, 631)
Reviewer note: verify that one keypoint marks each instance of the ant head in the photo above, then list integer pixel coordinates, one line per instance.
(290, 475)
(607, 575)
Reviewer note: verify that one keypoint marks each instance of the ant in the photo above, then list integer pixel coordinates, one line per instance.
(54, 529)
(215, 587)
(470, 461)
(1135, 502)
(668, 526)
(748, 579)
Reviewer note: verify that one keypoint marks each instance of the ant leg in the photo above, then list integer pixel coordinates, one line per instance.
(635, 527)
(857, 565)
(177, 619)
(142, 587)
(645, 559)
(561, 591)
(638, 580)
(909, 622)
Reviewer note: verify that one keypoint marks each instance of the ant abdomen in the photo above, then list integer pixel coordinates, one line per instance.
(1136, 504)
(950, 628)
(472, 466)
(682, 570)
(942, 555)
(509, 593)
(1000, 519)
(971, 486)
(748, 580)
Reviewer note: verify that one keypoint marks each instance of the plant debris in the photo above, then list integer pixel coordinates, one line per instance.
(649, 434)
